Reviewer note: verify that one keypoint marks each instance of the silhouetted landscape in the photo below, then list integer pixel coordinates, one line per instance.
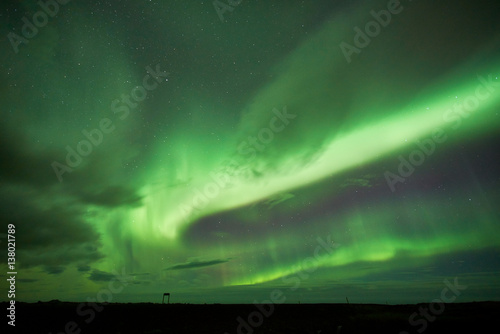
(63, 317)
(167, 165)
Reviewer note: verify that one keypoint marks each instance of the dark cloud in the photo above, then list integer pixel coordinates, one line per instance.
(112, 196)
(26, 280)
(67, 255)
(42, 228)
(20, 162)
(140, 274)
(83, 268)
(54, 270)
(100, 276)
(53, 235)
(196, 264)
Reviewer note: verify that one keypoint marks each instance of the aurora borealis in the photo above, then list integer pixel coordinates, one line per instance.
(219, 159)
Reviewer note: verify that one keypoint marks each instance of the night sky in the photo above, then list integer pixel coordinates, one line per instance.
(329, 149)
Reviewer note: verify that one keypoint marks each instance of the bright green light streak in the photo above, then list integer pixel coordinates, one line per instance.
(381, 249)
(162, 213)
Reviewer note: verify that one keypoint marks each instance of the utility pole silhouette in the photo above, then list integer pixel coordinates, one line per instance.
(168, 299)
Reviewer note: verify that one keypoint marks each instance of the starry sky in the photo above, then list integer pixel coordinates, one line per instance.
(329, 149)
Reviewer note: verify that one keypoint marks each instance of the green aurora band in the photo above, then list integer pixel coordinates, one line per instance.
(167, 211)
(220, 214)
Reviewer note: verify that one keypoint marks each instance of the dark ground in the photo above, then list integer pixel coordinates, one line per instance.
(62, 317)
